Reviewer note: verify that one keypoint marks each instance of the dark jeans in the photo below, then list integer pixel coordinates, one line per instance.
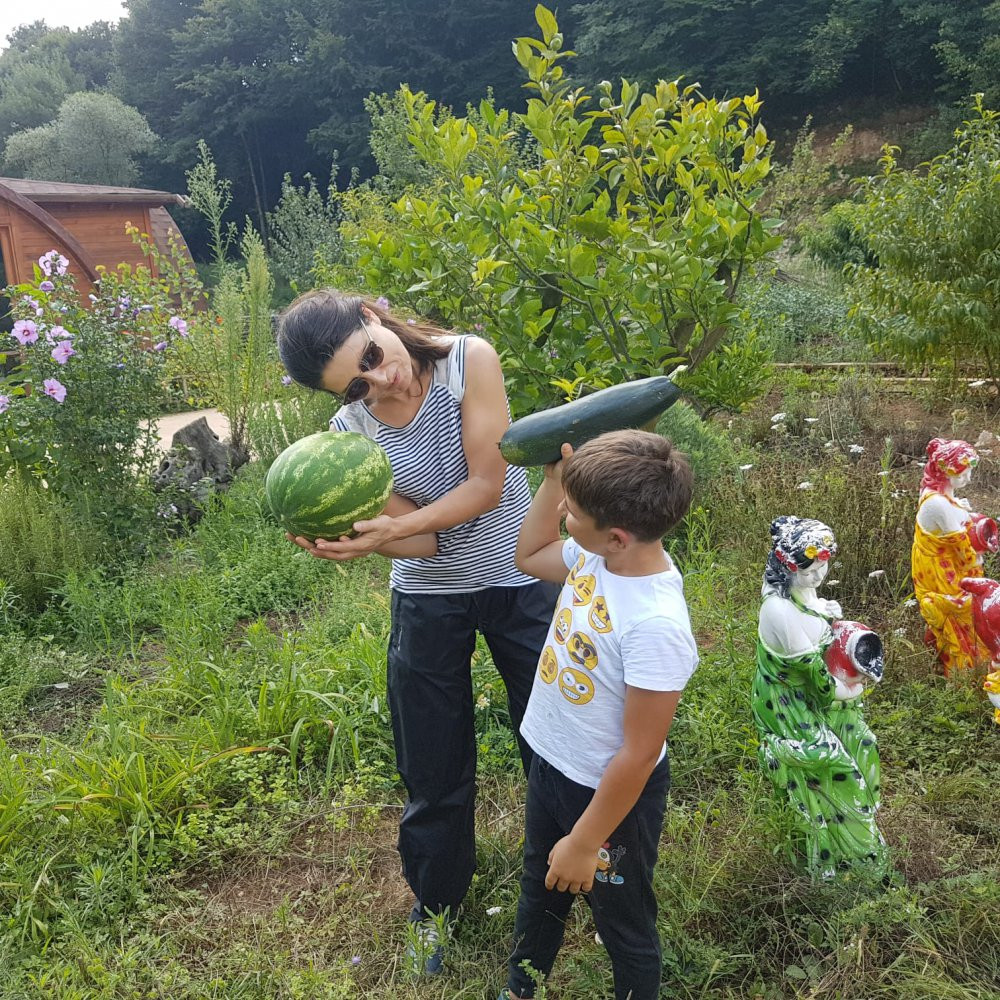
(621, 899)
(430, 697)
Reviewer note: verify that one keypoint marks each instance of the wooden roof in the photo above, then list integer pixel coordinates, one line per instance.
(50, 191)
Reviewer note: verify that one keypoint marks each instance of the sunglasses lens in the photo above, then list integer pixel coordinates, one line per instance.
(372, 357)
(356, 391)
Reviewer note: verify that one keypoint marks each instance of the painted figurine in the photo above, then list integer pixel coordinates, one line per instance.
(812, 667)
(949, 540)
(985, 595)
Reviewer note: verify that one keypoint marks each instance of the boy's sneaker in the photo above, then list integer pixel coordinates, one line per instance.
(425, 947)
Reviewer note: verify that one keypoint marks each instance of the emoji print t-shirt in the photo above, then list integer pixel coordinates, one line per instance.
(609, 631)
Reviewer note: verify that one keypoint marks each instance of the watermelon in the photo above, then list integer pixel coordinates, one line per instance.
(320, 485)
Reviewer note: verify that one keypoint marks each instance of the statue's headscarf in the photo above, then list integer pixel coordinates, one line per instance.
(944, 459)
(796, 543)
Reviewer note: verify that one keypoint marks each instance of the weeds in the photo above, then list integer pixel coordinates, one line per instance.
(209, 809)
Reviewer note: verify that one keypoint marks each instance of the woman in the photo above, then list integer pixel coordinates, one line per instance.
(437, 404)
(948, 543)
(815, 745)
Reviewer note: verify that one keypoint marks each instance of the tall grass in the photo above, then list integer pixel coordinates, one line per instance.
(220, 819)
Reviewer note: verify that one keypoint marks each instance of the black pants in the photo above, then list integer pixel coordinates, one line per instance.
(430, 697)
(621, 899)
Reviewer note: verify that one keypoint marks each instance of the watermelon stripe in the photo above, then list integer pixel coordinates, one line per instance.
(319, 486)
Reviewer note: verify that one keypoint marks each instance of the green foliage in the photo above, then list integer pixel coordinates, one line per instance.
(834, 239)
(804, 317)
(94, 139)
(617, 250)
(41, 542)
(96, 446)
(302, 225)
(35, 78)
(296, 414)
(399, 166)
(231, 351)
(798, 52)
(933, 233)
(34, 673)
(212, 195)
(808, 182)
(710, 450)
(735, 375)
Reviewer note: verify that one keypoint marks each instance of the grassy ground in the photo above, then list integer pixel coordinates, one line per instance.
(197, 796)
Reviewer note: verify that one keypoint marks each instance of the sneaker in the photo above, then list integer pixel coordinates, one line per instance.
(424, 947)
(598, 939)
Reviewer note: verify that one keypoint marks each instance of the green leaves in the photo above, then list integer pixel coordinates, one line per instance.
(926, 283)
(591, 243)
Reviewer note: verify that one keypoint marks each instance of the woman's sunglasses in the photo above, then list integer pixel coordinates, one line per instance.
(371, 358)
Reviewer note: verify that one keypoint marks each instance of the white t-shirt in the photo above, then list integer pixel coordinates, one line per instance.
(609, 631)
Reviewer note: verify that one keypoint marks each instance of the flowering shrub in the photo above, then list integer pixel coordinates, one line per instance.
(75, 409)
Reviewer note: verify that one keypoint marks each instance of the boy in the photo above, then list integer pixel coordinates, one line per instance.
(617, 656)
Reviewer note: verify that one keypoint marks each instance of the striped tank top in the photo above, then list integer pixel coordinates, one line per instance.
(427, 462)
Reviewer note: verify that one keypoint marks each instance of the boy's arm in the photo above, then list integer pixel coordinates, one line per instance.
(539, 544)
(573, 860)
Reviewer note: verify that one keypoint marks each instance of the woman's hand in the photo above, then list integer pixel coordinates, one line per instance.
(371, 536)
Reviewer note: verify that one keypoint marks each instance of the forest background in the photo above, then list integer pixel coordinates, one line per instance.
(278, 88)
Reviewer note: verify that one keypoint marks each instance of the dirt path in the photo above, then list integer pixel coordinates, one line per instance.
(168, 425)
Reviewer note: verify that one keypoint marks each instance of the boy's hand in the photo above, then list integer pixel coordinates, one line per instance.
(571, 865)
(554, 469)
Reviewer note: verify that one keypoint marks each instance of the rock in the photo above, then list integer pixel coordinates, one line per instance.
(987, 443)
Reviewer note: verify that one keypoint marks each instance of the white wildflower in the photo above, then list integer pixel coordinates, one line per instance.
(832, 583)
(883, 473)
(899, 631)
(978, 384)
(745, 468)
(778, 417)
(876, 573)
(810, 420)
(856, 449)
(911, 603)
(828, 444)
(804, 485)
(492, 911)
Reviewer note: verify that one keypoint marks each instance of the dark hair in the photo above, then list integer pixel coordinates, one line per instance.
(314, 327)
(634, 480)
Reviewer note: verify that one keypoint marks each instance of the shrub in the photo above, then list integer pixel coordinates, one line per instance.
(835, 240)
(78, 409)
(710, 450)
(594, 259)
(933, 232)
(41, 541)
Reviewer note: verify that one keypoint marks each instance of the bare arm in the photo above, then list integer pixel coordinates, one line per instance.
(648, 715)
(539, 545)
(484, 420)
(413, 547)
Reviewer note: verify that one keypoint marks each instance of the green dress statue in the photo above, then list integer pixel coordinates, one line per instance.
(815, 745)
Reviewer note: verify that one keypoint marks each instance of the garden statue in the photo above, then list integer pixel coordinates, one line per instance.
(812, 667)
(948, 545)
(985, 594)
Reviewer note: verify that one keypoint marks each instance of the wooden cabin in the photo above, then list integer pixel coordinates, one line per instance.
(84, 222)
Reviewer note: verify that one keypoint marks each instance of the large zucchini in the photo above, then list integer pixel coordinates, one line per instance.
(537, 438)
